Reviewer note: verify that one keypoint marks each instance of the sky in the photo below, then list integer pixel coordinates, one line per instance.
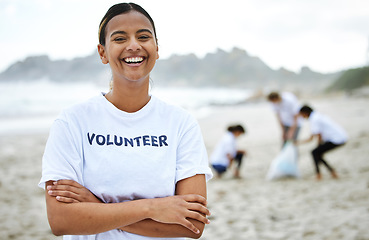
(325, 35)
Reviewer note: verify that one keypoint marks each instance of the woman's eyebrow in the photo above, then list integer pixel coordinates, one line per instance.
(144, 30)
(117, 32)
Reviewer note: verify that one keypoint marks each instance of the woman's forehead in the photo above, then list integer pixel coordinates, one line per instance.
(129, 20)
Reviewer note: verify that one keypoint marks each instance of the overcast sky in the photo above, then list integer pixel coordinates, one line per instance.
(326, 35)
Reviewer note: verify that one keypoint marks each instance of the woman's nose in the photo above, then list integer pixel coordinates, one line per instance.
(133, 45)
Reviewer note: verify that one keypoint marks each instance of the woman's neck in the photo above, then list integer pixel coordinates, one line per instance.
(128, 99)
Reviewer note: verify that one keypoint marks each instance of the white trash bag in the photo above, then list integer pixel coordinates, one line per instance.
(285, 164)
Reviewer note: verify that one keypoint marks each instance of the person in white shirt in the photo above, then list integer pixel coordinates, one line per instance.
(330, 136)
(126, 165)
(226, 152)
(286, 106)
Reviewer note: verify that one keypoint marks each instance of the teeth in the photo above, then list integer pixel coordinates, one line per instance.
(133, 59)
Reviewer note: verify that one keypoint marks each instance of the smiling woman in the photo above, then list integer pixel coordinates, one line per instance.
(126, 165)
(130, 47)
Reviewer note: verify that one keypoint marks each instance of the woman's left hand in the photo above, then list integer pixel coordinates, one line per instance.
(69, 191)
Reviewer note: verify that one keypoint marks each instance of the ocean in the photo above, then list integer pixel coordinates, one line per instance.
(31, 107)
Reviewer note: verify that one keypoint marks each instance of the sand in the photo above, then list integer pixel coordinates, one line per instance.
(248, 208)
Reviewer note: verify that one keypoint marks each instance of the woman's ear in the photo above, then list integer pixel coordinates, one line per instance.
(157, 52)
(101, 50)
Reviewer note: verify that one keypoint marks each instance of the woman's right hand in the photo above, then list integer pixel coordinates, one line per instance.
(69, 191)
(177, 209)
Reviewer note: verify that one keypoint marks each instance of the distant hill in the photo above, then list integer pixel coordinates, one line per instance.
(226, 69)
(87, 68)
(351, 79)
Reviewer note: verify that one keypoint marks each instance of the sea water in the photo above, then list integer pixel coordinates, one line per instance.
(31, 107)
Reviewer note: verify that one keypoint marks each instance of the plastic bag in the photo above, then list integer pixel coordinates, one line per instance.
(285, 164)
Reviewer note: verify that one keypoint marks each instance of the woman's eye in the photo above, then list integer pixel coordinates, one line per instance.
(144, 37)
(119, 39)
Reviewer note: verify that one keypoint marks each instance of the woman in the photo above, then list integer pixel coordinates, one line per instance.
(226, 151)
(132, 166)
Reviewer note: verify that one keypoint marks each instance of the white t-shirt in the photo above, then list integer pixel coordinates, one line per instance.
(227, 145)
(329, 130)
(122, 156)
(287, 108)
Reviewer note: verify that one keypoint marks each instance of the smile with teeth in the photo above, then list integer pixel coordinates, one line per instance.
(133, 59)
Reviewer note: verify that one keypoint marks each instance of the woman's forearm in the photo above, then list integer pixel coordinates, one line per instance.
(91, 218)
(151, 228)
(195, 184)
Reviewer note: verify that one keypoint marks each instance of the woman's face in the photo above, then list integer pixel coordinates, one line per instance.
(131, 48)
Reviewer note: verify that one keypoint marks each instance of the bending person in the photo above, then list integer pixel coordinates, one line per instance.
(226, 152)
(330, 136)
(286, 106)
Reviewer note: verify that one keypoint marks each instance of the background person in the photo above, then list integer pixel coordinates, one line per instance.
(226, 152)
(286, 106)
(330, 136)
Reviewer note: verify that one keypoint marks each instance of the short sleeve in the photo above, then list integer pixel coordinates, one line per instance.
(230, 146)
(315, 126)
(192, 158)
(295, 107)
(61, 159)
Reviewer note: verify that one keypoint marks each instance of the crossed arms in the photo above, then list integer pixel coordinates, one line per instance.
(74, 210)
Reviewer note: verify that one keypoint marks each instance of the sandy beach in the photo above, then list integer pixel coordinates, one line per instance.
(249, 208)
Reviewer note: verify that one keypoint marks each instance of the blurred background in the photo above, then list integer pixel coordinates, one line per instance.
(218, 59)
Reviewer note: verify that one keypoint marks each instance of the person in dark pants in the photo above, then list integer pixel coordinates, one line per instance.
(330, 136)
